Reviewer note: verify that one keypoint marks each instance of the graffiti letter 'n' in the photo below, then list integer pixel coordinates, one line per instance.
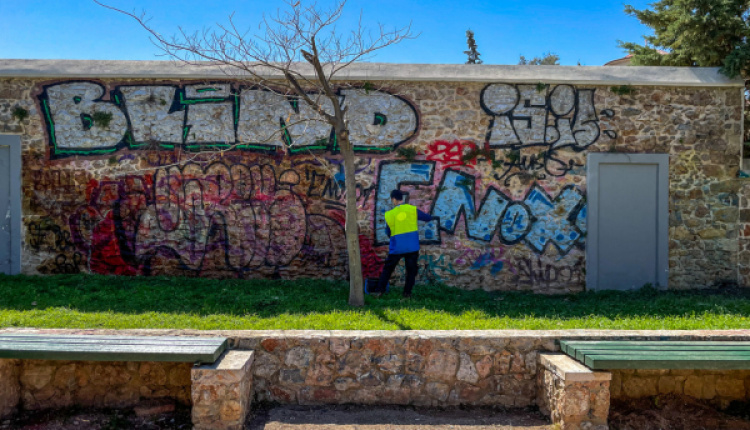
(456, 196)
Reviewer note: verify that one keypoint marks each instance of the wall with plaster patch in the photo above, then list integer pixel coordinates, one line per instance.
(222, 179)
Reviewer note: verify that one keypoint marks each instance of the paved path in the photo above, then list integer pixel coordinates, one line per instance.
(394, 418)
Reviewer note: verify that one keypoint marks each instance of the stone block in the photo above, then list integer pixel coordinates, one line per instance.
(10, 389)
(222, 392)
(467, 372)
(693, 386)
(730, 388)
(636, 386)
(442, 364)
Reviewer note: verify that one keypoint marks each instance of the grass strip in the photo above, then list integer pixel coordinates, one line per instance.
(87, 301)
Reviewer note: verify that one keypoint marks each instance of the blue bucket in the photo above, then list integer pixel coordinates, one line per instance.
(372, 286)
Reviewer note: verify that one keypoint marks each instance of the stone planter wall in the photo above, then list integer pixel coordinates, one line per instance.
(397, 369)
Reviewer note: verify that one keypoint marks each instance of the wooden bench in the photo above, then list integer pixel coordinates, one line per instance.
(574, 387)
(220, 384)
(699, 355)
(199, 350)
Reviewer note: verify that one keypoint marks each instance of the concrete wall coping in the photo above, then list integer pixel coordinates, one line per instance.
(570, 370)
(586, 75)
(231, 360)
(734, 335)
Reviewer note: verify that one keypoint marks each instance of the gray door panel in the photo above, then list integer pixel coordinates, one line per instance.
(10, 204)
(5, 209)
(626, 245)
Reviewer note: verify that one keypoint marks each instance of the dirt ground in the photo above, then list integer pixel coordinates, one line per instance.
(395, 418)
(77, 419)
(672, 412)
(662, 413)
(295, 418)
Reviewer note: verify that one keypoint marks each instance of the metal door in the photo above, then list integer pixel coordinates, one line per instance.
(627, 241)
(10, 205)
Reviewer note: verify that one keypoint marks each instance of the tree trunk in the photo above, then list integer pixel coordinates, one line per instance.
(356, 286)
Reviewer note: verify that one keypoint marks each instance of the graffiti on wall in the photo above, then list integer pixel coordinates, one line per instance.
(221, 217)
(83, 118)
(275, 201)
(534, 272)
(538, 220)
(535, 124)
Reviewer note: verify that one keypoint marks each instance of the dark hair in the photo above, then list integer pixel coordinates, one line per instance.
(397, 194)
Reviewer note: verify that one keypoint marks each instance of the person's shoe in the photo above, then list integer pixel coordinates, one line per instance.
(376, 295)
(406, 297)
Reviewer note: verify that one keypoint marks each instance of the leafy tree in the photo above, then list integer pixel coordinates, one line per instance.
(300, 51)
(548, 59)
(704, 33)
(472, 54)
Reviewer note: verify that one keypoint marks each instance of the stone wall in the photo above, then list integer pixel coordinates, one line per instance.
(48, 384)
(117, 180)
(396, 369)
(10, 390)
(716, 386)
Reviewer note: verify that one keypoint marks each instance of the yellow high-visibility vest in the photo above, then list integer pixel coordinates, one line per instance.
(402, 221)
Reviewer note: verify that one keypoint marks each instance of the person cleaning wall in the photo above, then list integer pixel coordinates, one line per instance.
(402, 228)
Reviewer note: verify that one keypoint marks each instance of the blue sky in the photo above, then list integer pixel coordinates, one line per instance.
(584, 30)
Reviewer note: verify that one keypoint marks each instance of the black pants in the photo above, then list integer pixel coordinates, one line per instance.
(411, 260)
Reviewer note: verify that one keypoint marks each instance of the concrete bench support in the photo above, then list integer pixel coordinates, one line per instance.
(10, 389)
(222, 392)
(574, 396)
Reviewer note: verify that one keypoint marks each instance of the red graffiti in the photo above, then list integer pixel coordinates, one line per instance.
(372, 265)
(99, 230)
(451, 153)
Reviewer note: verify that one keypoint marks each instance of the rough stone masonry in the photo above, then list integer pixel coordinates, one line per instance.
(126, 172)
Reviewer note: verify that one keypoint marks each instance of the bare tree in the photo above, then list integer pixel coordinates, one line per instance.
(298, 52)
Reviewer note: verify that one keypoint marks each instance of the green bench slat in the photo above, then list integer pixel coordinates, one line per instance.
(665, 348)
(577, 353)
(571, 347)
(665, 355)
(113, 348)
(636, 344)
(603, 362)
(55, 338)
(651, 342)
(717, 355)
(151, 340)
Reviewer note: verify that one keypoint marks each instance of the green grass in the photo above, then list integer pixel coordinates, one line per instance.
(82, 301)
